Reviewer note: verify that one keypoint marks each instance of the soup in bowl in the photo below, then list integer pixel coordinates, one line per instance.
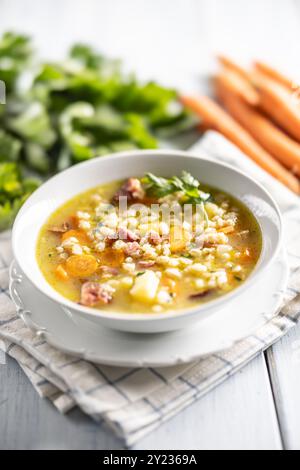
(149, 244)
(125, 241)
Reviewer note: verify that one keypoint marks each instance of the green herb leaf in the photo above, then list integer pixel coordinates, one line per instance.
(60, 113)
(10, 147)
(159, 187)
(15, 53)
(13, 192)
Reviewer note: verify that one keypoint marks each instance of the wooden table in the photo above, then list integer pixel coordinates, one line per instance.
(173, 41)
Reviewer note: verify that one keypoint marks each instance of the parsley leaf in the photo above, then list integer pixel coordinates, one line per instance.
(158, 187)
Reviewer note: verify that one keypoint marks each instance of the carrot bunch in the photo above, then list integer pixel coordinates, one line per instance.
(258, 111)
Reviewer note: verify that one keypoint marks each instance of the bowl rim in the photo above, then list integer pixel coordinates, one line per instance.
(55, 296)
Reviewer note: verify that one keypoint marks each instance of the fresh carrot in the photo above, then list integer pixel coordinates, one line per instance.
(274, 74)
(279, 103)
(221, 121)
(276, 142)
(239, 85)
(234, 66)
(81, 265)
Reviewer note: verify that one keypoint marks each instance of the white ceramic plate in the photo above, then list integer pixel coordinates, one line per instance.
(81, 337)
(81, 177)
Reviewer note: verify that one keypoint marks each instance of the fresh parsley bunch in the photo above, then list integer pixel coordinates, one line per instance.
(14, 190)
(61, 113)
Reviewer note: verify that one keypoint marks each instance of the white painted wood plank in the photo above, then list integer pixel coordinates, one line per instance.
(29, 422)
(239, 414)
(284, 365)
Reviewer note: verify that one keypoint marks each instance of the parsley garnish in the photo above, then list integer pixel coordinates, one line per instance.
(158, 187)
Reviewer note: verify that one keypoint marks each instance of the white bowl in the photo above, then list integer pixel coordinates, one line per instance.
(84, 176)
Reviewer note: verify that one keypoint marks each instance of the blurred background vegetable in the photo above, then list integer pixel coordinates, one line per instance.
(14, 191)
(58, 114)
(258, 111)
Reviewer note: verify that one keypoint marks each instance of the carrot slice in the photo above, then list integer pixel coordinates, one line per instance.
(221, 121)
(112, 258)
(79, 234)
(81, 265)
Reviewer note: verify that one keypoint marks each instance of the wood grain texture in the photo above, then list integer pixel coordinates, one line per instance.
(29, 422)
(173, 42)
(284, 366)
(239, 414)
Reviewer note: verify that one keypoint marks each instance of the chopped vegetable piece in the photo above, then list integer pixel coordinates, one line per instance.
(81, 265)
(145, 287)
(78, 234)
(61, 273)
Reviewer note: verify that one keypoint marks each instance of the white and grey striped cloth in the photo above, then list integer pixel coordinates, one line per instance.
(132, 402)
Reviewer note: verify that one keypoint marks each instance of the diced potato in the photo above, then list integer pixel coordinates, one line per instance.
(145, 287)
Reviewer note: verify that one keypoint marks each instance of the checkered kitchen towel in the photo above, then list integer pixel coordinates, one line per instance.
(135, 401)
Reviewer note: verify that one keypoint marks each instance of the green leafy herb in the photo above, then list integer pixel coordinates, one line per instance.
(60, 113)
(15, 53)
(140, 273)
(189, 186)
(13, 192)
(10, 147)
